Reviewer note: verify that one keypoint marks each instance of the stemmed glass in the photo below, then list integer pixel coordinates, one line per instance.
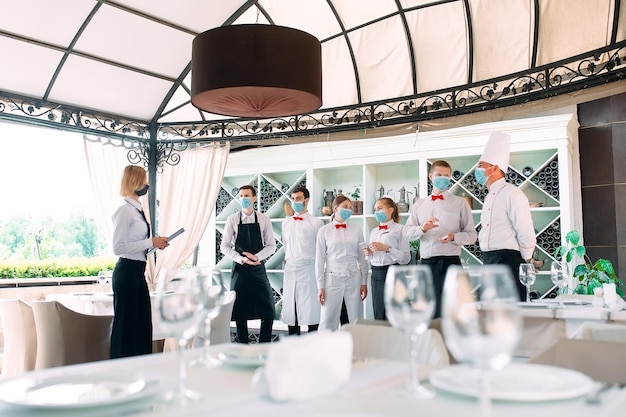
(214, 300)
(559, 275)
(410, 303)
(527, 276)
(481, 321)
(102, 279)
(181, 301)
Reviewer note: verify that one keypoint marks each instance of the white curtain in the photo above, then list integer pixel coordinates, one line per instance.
(187, 193)
(105, 163)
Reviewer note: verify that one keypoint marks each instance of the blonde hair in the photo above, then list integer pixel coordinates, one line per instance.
(134, 178)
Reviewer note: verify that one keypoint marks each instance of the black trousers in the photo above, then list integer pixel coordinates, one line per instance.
(265, 332)
(296, 329)
(131, 332)
(439, 266)
(379, 274)
(510, 258)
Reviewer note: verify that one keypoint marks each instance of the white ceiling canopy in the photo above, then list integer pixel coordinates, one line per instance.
(103, 64)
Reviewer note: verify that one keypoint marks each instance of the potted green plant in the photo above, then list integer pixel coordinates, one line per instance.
(357, 204)
(414, 246)
(589, 274)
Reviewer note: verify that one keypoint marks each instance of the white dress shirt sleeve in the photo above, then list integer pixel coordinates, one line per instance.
(522, 222)
(227, 246)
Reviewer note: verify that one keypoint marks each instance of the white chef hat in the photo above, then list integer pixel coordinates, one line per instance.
(497, 150)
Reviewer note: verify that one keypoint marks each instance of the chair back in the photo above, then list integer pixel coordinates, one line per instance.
(220, 325)
(609, 332)
(385, 342)
(538, 334)
(67, 337)
(599, 359)
(20, 338)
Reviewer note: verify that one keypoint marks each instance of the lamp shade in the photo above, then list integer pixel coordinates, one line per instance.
(256, 71)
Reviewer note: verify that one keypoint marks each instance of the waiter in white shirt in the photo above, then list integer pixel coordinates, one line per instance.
(443, 223)
(387, 246)
(299, 232)
(248, 240)
(507, 235)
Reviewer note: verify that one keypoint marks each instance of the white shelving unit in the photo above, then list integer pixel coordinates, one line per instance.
(403, 161)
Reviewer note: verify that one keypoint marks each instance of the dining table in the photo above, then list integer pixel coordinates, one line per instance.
(575, 312)
(227, 390)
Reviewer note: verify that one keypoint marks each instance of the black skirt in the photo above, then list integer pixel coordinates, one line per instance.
(131, 334)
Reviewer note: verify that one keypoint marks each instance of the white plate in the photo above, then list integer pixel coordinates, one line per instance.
(247, 355)
(82, 293)
(516, 382)
(77, 391)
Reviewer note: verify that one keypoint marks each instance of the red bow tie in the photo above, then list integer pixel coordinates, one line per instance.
(297, 218)
(340, 226)
(436, 197)
(382, 227)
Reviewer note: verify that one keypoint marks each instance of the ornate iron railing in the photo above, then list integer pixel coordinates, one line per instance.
(582, 71)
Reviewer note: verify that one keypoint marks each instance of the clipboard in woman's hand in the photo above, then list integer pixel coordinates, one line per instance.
(170, 237)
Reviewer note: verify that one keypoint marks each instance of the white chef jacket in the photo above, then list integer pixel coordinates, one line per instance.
(506, 220)
(299, 284)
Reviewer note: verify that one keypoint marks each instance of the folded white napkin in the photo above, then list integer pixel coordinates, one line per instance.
(309, 366)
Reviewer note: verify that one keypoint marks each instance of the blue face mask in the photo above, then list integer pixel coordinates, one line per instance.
(245, 202)
(297, 206)
(480, 175)
(441, 183)
(344, 213)
(381, 216)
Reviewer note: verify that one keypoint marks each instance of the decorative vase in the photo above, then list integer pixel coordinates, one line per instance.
(357, 207)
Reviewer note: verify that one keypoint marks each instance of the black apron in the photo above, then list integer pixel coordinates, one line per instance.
(254, 295)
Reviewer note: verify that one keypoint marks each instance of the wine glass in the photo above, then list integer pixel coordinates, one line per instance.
(410, 303)
(214, 300)
(527, 276)
(181, 301)
(102, 279)
(481, 321)
(559, 275)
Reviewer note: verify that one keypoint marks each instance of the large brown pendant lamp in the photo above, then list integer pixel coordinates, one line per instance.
(256, 71)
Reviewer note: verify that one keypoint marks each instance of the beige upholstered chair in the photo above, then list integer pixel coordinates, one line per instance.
(538, 334)
(373, 341)
(67, 337)
(20, 339)
(599, 359)
(609, 332)
(220, 327)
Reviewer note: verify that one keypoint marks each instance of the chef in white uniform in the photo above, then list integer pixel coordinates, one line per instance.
(299, 233)
(507, 235)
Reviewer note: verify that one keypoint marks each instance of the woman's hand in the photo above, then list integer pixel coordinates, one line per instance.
(160, 242)
(363, 292)
(321, 296)
(379, 247)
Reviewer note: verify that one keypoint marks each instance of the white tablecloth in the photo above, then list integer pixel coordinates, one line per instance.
(573, 315)
(101, 304)
(227, 391)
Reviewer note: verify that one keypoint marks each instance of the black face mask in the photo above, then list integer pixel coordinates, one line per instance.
(142, 191)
